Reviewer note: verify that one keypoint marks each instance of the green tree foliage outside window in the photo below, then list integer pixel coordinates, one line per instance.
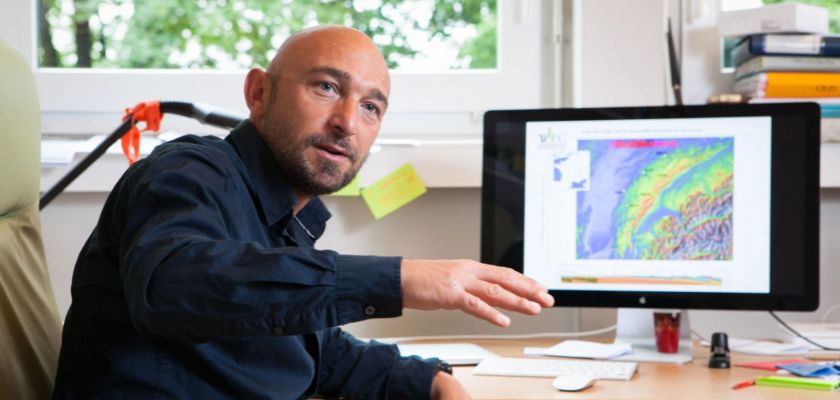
(242, 33)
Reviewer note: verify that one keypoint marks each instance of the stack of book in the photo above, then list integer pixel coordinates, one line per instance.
(785, 53)
(788, 66)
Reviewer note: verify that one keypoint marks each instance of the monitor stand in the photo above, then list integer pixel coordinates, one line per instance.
(635, 326)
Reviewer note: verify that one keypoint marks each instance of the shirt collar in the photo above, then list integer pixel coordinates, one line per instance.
(274, 194)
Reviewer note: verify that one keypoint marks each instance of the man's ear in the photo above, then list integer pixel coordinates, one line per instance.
(256, 86)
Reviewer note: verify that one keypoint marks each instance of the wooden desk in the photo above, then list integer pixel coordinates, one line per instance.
(652, 380)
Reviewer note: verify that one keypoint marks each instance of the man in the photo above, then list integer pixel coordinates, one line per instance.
(200, 279)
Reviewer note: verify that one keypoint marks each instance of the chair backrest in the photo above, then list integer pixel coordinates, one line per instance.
(30, 328)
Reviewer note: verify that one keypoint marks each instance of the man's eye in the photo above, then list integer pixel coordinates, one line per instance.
(372, 108)
(326, 86)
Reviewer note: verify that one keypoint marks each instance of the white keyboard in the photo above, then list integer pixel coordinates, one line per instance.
(544, 367)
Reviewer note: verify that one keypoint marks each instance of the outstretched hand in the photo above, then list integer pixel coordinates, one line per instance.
(472, 287)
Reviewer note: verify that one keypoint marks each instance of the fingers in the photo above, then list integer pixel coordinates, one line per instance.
(476, 307)
(473, 287)
(517, 283)
(497, 296)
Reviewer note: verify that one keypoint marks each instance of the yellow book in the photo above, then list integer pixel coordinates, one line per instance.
(790, 84)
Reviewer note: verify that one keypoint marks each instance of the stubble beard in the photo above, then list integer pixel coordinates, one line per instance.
(314, 179)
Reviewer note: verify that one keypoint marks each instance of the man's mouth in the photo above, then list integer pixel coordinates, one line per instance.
(334, 150)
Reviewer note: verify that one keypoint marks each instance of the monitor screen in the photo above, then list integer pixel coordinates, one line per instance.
(671, 207)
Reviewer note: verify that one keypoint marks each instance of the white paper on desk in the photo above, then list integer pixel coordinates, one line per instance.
(452, 353)
(582, 349)
(766, 348)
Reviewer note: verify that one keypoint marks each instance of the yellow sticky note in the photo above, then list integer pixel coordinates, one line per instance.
(393, 191)
(351, 190)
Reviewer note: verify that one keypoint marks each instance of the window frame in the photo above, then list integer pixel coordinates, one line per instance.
(421, 104)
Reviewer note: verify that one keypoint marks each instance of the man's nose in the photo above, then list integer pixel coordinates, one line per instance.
(344, 116)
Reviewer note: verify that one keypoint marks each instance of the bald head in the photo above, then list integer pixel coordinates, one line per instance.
(337, 49)
(319, 106)
(328, 41)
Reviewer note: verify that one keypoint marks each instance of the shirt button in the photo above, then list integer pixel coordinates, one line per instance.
(370, 310)
(278, 330)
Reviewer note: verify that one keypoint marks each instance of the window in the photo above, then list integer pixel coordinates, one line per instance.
(418, 36)
(425, 100)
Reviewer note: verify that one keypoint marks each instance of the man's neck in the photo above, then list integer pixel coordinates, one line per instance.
(301, 201)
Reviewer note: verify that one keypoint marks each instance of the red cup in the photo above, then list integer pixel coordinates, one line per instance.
(666, 326)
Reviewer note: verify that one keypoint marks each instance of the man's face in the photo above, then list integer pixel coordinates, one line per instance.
(326, 100)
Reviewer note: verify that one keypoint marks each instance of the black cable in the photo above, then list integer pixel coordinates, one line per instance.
(676, 82)
(800, 335)
(196, 111)
(86, 162)
(699, 336)
(201, 113)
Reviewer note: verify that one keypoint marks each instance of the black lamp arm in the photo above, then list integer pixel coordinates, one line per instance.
(198, 112)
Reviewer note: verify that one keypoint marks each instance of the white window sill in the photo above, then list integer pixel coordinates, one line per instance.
(440, 163)
(446, 163)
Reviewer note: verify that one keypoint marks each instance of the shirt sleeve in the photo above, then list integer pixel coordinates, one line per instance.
(353, 369)
(188, 277)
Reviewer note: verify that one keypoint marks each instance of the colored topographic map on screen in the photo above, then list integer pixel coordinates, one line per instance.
(657, 199)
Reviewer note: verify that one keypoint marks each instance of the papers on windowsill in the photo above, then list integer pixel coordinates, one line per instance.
(582, 349)
(60, 152)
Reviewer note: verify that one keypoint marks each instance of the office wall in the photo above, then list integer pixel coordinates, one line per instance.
(620, 55)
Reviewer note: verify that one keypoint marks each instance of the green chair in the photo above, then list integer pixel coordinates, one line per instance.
(30, 328)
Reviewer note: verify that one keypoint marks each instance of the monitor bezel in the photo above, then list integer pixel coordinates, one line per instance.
(805, 229)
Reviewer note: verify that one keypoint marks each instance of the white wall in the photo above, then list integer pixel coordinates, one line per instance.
(620, 57)
(65, 226)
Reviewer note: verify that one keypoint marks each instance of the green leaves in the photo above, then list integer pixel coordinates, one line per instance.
(233, 34)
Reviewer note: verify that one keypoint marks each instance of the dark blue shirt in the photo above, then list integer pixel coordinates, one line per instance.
(199, 282)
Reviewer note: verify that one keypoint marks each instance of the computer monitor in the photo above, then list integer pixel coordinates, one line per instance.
(705, 207)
